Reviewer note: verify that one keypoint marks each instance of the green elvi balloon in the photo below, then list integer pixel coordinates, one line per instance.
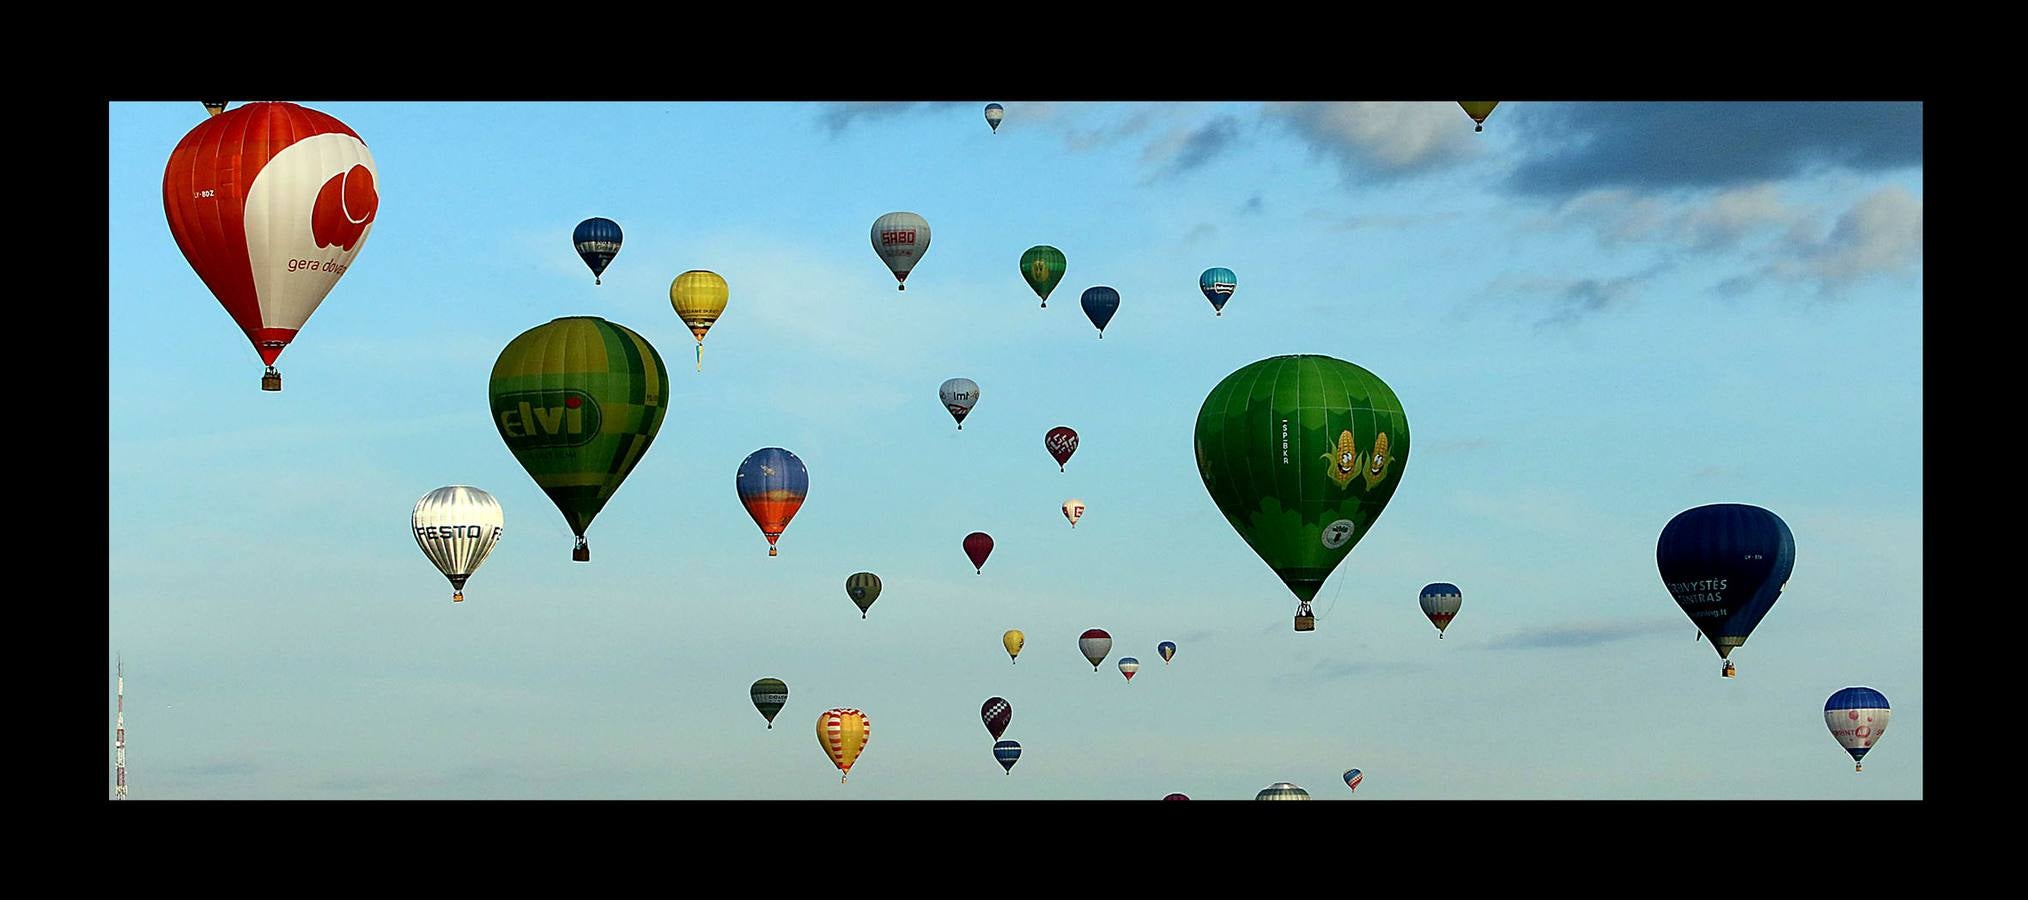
(863, 588)
(1043, 266)
(578, 401)
(769, 696)
(1301, 453)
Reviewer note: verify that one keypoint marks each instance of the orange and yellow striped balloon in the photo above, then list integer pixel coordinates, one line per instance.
(699, 298)
(843, 733)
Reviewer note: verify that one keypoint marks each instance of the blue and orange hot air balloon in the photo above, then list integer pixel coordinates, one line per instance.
(772, 484)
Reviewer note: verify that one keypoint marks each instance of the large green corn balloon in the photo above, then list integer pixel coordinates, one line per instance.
(1301, 453)
(578, 401)
(1043, 266)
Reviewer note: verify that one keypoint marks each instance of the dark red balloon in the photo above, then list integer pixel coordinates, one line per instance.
(996, 714)
(1061, 442)
(1175, 797)
(978, 546)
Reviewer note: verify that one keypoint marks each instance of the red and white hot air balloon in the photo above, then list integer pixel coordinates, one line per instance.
(270, 203)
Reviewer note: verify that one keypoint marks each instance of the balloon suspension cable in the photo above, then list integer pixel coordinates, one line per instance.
(1478, 129)
(596, 281)
(1218, 312)
(841, 779)
(700, 356)
(898, 287)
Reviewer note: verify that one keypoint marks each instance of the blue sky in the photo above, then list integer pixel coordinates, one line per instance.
(1595, 315)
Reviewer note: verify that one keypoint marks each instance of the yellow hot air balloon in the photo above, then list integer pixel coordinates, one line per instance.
(699, 298)
(1479, 110)
(843, 733)
(1013, 640)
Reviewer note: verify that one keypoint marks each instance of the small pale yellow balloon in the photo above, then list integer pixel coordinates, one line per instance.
(1013, 640)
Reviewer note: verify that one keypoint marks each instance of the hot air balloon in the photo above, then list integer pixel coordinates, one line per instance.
(1176, 797)
(769, 696)
(901, 238)
(1857, 716)
(578, 401)
(456, 527)
(1168, 651)
(1095, 644)
(1352, 779)
(597, 241)
(1128, 666)
(772, 484)
(214, 107)
(1440, 602)
(1217, 285)
(959, 396)
(1099, 305)
(996, 713)
(1043, 266)
(863, 588)
(1073, 509)
(1061, 442)
(978, 546)
(994, 113)
(270, 203)
(1726, 564)
(1007, 752)
(843, 734)
(1478, 110)
(1301, 453)
(1282, 790)
(1013, 641)
(699, 298)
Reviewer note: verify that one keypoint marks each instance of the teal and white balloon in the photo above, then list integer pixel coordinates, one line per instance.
(1282, 790)
(456, 527)
(994, 113)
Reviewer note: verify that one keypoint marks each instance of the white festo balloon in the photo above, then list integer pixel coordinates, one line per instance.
(1073, 509)
(901, 238)
(959, 396)
(456, 527)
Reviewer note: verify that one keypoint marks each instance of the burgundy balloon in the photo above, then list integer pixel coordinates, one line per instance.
(996, 714)
(978, 546)
(1061, 442)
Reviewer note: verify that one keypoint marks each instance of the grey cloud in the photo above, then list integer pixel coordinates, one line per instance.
(1377, 140)
(1881, 234)
(840, 116)
(1252, 205)
(1190, 149)
(1579, 634)
(1576, 147)
(1203, 229)
(1574, 298)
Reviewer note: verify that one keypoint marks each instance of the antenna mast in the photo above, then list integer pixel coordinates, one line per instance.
(120, 736)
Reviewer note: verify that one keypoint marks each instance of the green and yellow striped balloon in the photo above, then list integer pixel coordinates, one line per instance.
(578, 401)
(1043, 266)
(1301, 453)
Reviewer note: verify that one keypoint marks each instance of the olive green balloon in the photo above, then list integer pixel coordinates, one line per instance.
(578, 401)
(1301, 453)
(1043, 267)
(863, 588)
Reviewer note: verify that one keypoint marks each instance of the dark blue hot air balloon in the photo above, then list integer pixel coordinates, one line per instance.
(1726, 564)
(1007, 752)
(1217, 285)
(1099, 305)
(597, 241)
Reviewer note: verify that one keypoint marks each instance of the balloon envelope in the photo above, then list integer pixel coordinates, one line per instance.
(1857, 716)
(994, 113)
(901, 239)
(863, 588)
(1217, 285)
(769, 696)
(1176, 797)
(1007, 752)
(1013, 641)
(1095, 644)
(1042, 266)
(597, 241)
(772, 484)
(1282, 790)
(996, 713)
(270, 203)
(1352, 779)
(456, 527)
(1440, 602)
(978, 546)
(578, 401)
(699, 298)
(1099, 305)
(1128, 666)
(843, 733)
(1301, 454)
(959, 396)
(1061, 442)
(1725, 564)
(1073, 509)
(1478, 110)
(1167, 649)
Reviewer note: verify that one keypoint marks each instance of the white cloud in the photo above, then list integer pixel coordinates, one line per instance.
(1385, 139)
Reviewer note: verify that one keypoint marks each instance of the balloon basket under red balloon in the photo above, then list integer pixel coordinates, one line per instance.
(773, 552)
(271, 380)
